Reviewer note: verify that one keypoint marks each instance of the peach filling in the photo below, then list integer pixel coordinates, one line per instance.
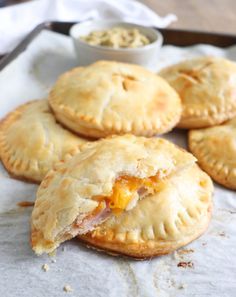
(126, 188)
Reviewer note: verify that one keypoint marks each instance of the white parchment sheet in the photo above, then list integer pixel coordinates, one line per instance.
(90, 273)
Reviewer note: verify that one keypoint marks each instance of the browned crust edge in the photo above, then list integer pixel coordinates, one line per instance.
(88, 126)
(220, 179)
(5, 165)
(145, 252)
(204, 122)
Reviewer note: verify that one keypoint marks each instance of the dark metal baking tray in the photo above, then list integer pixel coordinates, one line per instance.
(171, 36)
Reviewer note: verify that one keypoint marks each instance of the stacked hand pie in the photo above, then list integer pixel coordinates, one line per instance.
(215, 149)
(124, 193)
(132, 195)
(207, 88)
(31, 141)
(113, 98)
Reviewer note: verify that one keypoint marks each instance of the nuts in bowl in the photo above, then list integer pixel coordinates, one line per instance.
(116, 41)
(117, 37)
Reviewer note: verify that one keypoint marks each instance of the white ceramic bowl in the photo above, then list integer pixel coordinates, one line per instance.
(87, 54)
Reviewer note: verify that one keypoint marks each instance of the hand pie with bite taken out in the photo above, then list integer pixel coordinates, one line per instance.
(215, 149)
(207, 88)
(114, 98)
(106, 180)
(173, 216)
(31, 141)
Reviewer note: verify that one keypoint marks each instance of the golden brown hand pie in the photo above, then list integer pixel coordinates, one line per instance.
(31, 141)
(207, 88)
(215, 149)
(106, 178)
(171, 218)
(114, 98)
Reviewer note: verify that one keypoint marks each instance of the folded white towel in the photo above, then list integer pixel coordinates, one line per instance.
(16, 21)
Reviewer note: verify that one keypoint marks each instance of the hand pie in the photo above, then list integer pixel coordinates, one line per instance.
(207, 88)
(215, 149)
(175, 215)
(105, 179)
(114, 98)
(31, 141)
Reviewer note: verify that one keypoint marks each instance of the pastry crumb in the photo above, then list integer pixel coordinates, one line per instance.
(45, 267)
(67, 288)
(204, 243)
(183, 264)
(25, 203)
(175, 255)
(53, 260)
(182, 286)
(185, 251)
(222, 233)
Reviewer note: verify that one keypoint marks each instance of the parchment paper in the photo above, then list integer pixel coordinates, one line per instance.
(90, 273)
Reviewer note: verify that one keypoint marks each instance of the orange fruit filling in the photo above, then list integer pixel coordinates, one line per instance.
(124, 189)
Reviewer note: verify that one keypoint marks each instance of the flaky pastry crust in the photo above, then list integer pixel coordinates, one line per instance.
(161, 223)
(207, 88)
(114, 98)
(31, 141)
(215, 149)
(67, 192)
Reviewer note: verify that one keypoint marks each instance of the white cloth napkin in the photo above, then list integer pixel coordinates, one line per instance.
(16, 21)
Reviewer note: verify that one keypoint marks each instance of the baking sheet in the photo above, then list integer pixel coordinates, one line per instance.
(89, 273)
